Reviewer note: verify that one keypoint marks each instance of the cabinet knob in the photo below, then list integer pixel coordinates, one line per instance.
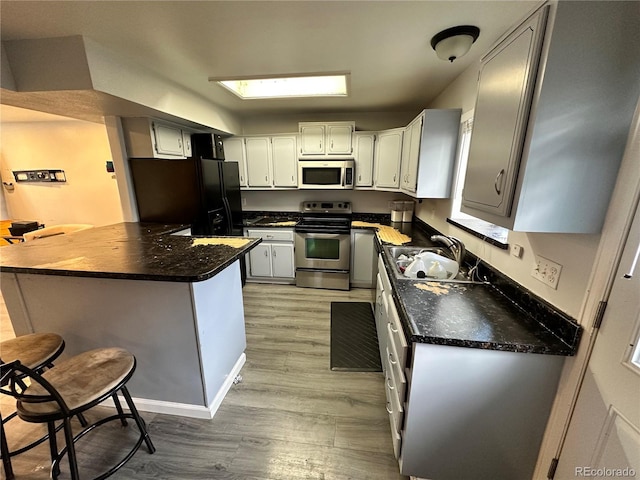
(266, 254)
(393, 362)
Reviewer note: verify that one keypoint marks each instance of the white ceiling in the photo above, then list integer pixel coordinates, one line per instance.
(383, 44)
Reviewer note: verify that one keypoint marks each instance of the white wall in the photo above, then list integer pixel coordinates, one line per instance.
(81, 149)
(575, 252)
(364, 201)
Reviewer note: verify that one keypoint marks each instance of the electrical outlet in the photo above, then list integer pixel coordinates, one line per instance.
(516, 250)
(546, 271)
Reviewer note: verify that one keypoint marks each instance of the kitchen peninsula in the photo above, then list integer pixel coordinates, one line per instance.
(174, 301)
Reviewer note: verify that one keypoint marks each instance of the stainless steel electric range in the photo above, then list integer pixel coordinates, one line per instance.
(323, 245)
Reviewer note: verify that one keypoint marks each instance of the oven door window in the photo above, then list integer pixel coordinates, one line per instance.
(322, 248)
(322, 176)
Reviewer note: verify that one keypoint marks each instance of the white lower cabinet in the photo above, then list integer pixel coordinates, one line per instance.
(363, 259)
(272, 260)
(461, 413)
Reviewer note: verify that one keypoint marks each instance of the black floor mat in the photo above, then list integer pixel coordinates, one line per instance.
(354, 342)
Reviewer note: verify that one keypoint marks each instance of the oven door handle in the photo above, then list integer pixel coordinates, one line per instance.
(315, 231)
(324, 270)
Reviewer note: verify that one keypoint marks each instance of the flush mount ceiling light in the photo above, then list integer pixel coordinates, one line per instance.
(333, 85)
(454, 42)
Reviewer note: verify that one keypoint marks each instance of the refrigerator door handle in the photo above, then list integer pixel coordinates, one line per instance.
(227, 211)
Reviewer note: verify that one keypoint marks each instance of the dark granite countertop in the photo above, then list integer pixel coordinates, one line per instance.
(135, 251)
(499, 315)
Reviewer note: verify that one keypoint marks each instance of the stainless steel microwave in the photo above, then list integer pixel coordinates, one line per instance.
(326, 174)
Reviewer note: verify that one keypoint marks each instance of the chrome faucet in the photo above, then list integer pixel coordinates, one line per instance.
(454, 244)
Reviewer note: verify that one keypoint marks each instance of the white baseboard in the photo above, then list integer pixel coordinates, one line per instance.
(185, 409)
(227, 384)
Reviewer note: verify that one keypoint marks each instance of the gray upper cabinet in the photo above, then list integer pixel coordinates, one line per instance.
(547, 142)
(505, 90)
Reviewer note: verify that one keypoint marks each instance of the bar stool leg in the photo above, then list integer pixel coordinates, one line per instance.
(71, 450)
(139, 420)
(116, 400)
(53, 447)
(4, 450)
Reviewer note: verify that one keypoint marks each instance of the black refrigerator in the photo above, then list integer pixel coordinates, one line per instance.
(201, 192)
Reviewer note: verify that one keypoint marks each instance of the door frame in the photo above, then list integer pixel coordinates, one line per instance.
(620, 213)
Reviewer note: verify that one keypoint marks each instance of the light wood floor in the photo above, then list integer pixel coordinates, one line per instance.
(289, 418)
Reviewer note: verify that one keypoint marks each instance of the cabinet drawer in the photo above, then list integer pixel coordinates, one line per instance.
(396, 334)
(394, 404)
(386, 285)
(272, 235)
(396, 370)
(395, 436)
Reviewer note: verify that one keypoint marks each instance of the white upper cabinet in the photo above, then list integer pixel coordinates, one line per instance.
(339, 139)
(547, 145)
(149, 138)
(285, 161)
(429, 153)
(234, 151)
(312, 139)
(364, 148)
(168, 139)
(186, 143)
(271, 161)
(326, 139)
(387, 159)
(258, 151)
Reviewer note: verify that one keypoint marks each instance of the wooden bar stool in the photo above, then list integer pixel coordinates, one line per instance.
(71, 387)
(36, 351)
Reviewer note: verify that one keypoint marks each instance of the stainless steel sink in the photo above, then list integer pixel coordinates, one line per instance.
(393, 253)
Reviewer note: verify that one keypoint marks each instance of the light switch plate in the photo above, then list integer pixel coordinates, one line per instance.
(546, 271)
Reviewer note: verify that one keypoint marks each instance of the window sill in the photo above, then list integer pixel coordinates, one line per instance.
(493, 234)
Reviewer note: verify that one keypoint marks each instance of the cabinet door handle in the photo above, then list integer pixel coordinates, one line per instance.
(394, 330)
(266, 254)
(274, 254)
(394, 177)
(393, 362)
(266, 178)
(391, 387)
(498, 177)
(387, 406)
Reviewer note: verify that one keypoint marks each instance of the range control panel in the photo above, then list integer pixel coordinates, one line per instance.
(326, 207)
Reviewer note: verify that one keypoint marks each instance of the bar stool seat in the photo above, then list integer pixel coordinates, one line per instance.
(36, 351)
(70, 388)
(80, 381)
